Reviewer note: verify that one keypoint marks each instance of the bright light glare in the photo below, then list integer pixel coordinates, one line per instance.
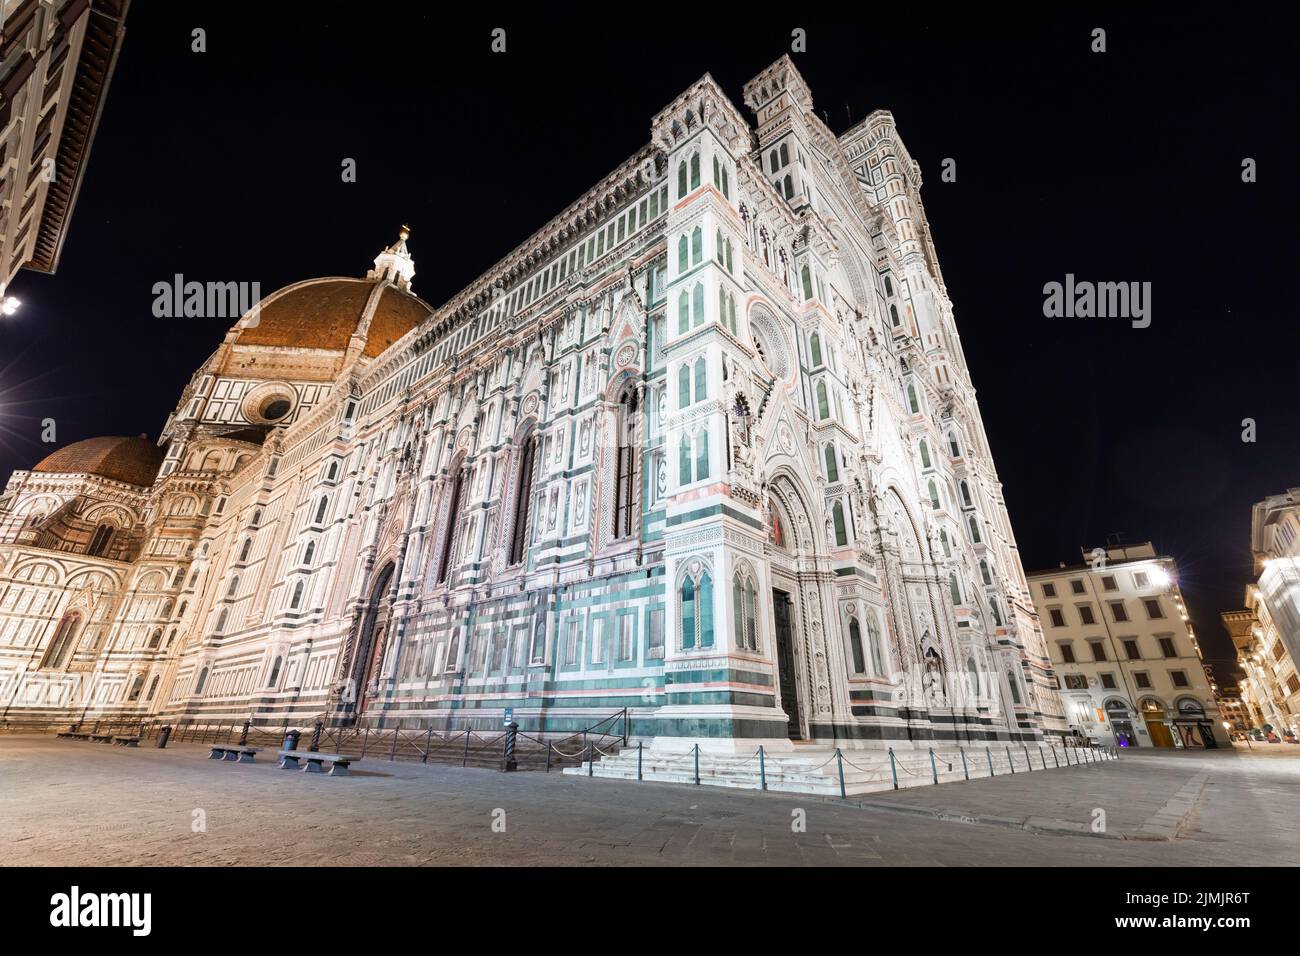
(1160, 576)
(10, 306)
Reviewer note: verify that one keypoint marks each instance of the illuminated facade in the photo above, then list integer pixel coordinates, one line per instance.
(704, 446)
(1129, 666)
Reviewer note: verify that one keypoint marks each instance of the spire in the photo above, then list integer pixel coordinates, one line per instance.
(395, 264)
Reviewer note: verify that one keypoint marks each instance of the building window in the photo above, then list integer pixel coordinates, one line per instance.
(823, 405)
(1140, 579)
(837, 519)
(925, 454)
(1118, 612)
(1142, 679)
(1108, 681)
(64, 638)
(626, 483)
(1086, 615)
(695, 621)
(954, 588)
(1167, 647)
(100, 541)
(1057, 616)
(1077, 586)
(201, 682)
(655, 645)
(744, 610)
(1179, 678)
(1015, 687)
(984, 573)
(1098, 650)
(912, 404)
(297, 597)
(1067, 653)
(523, 499)
(1131, 649)
(275, 673)
(832, 470)
(855, 647)
(1154, 610)
(974, 530)
(1108, 583)
(1049, 590)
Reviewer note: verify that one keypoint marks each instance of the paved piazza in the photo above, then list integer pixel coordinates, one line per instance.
(72, 803)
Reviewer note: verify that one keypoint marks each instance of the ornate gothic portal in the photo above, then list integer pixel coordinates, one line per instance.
(370, 641)
(705, 447)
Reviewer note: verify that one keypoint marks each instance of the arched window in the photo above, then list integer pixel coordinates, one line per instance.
(626, 471)
(221, 619)
(697, 303)
(925, 454)
(974, 676)
(943, 540)
(832, 470)
(275, 673)
(718, 248)
(64, 638)
(244, 549)
(684, 460)
(701, 380)
(234, 586)
(1015, 687)
(100, 541)
(893, 316)
(934, 494)
(155, 639)
(805, 278)
(974, 530)
(785, 154)
(965, 494)
(683, 254)
(449, 525)
(523, 499)
(137, 685)
(683, 310)
(201, 682)
(744, 611)
(153, 687)
(912, 404)
(684, 385)
(717, 173)
(702, 454)
(855, 645)
(726, 183)
(954, 588)
(297, 595)
(681, 180)
(789, 193)
(953, 448)
(773, 161)
(984, 573)
(320, 510)
(309, 552)
(823, 405)
(696, 613)
(815, 343)
(695, 171)
(837, 519)
(688, 616)
(730, 268)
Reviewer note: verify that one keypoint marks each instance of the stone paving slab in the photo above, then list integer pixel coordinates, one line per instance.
(71, 803)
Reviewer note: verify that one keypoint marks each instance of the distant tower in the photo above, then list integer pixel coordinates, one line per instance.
(395, 264)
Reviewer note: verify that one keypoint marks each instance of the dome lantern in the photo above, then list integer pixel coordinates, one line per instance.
(395, 264)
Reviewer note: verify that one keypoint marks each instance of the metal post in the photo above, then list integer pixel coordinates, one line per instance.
(392, 753)
(989, 753)
(1028, 763)
(1011, 763)
(243, 734)
(640, 752)
(1042, 756)
(964, 769)
(548, 756)
(934, 770)
(465, 757)
(512, 731)
(428, 738)
(591, 763)
(626, 722)
(1055, 759)
(762, 769)
(697, 765)
(893, 768)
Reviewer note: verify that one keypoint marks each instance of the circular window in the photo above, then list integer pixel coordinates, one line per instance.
(275, 409)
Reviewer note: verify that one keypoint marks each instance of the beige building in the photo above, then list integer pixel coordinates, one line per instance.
(1267, 632)
(56, 60)
(1126, 658)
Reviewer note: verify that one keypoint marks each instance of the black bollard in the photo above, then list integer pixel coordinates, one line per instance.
(243, 734)
(291, 739)
(512, 731)
(164, 733)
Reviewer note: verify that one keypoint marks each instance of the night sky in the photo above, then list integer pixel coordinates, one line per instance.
(1122, 166)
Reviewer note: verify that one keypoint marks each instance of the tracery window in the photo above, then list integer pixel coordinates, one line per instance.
(64, 637)
(695, 609)
(100, 541)
(744, 609)
(626, 468)
(523, 499)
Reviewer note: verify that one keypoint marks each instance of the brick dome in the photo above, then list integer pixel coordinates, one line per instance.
(132, 460)
(323, 314)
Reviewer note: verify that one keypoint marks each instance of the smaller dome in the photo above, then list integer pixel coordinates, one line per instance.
(133, 460)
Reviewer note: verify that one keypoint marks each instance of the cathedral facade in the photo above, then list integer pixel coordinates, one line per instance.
(704, 447)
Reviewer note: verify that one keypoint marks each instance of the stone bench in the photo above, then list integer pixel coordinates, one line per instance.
(339, 762)
(102, 738)
(73, 735)
(127, 741)
(241, 753)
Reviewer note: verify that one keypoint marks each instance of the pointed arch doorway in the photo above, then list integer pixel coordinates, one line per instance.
(374, 623)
